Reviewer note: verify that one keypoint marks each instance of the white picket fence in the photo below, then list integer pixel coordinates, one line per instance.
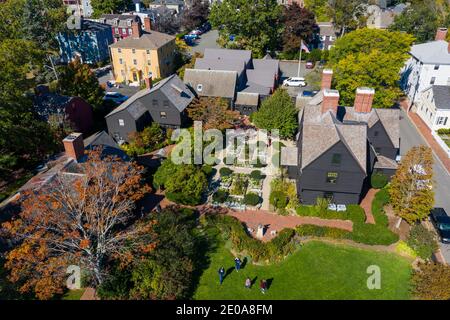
(441, 142)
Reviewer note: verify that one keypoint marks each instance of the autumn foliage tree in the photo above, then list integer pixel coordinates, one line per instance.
(431, 281)
(411, 188)
(85, 220)
(213, 112)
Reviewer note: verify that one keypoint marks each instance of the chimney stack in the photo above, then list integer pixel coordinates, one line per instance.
(74, 146)
(364, 100)
(327, 77)
(149, 82)
(441, 34)
(136, 27)
(330, 100)
(147, 24)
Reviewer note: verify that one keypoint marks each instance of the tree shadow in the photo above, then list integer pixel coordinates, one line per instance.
(244, 263)
(269, 283)
(253, 281)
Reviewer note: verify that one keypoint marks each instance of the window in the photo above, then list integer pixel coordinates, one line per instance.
(120, 61)
(148, 51)
(165, 103)
(133, 51)
(436, 67)
(119, 50)
(377, 150)
(433, 80)
(441, 121)
(163, 115)
(134, 61)
(122, 72)
(121, 122)
(148, 62)
(124, 31)
(376, 133)
(336, 159)
(199, 87)
(116, 30)
(328, 195)
(130, 31)
(332, 177)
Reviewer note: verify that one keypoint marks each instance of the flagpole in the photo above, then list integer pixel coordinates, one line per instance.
(300, 59)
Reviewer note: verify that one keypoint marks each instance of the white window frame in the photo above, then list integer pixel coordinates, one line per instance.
(121, 123)
(199, 87)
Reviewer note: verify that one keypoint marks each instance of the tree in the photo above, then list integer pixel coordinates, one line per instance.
(255, 24)
(299, 24)
(422, 241)
(319, 8)
(421, 19)
(347, 14)
(83, 220)
(431, 281)
(183, 184)
(77, 79)
(166, 21)
(370, 58)
(108, 6)
(148, 140)
(277, 112)
(195, 14)
(411, 191)
(213, 112)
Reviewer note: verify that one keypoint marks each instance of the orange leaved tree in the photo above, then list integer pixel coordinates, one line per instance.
(86, 219)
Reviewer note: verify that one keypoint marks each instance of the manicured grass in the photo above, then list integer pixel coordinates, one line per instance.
(316, 271)
(73, 294)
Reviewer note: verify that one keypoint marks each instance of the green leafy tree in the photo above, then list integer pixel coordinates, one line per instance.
(420, 19)
(319, 8)
(148, 140)
(277, 112)
(411, 191)
(299, 24)
(347, 14)
(370, 58)
(183, 184)
(431, 281)
(255, 24)
(109, 6)
(77, 79)
(422, 241)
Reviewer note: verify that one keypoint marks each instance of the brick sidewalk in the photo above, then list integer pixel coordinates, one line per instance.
(366, 204)
(426, 134)
(277, 222)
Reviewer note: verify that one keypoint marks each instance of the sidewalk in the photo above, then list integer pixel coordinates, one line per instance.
(426, 134)
(366, 204)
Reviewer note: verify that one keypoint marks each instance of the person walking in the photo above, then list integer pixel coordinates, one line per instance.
(263, 286)
(221, 274)
(237, 264)
(248, 283)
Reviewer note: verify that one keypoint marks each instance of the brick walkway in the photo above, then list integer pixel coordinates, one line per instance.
(366, 204)
(426, 134)
(277, 222)
(89, 294)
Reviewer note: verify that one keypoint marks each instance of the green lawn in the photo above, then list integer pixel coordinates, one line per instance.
(73, 294)
(316, 271)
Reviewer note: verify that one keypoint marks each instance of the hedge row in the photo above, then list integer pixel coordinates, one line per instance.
(272, 251)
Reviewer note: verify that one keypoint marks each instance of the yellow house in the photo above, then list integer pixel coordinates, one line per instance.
(142, 54)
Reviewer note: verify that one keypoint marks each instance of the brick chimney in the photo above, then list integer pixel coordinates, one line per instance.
(74, 145)
(327, 76)
(149, 81)
(330, 100)
(136, 27)
(364, 99)
(147, 24)
(441, 34)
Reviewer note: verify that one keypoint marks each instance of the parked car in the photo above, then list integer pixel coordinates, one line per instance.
(307, 93)
(310, 64)
(115, 97)
(441, 222)
(294, 82)
(205, 27)
(197, 32)
(191, 36)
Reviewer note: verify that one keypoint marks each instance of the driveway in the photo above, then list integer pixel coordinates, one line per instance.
(290, 69)
(410, 137)
(207, 40)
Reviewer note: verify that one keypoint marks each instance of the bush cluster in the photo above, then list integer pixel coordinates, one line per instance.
(378, 180)
(251, 199)
(422, 241)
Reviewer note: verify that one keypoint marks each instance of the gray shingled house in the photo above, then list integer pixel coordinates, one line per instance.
(235, 76)
(340, 147)
(165, 103)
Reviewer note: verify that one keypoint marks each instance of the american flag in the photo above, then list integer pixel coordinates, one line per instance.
(304, 47)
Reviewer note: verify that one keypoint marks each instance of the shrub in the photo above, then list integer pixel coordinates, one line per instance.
(208, 170)
(431, 281)
(251, 199)
(403, 248)
(239, 185)
(443, 131)
(225, 171)
(378, 180)
(257, 175)
(316, 231)
(220, 196)
(422, 241)
(278, 199)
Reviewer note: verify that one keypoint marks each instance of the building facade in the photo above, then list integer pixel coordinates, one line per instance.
(145, 53)
(121, 25)
(434, 107)
(82, 8)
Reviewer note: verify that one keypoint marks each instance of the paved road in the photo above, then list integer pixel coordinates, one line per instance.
(411, 137)
(207, 40)
(290, 69)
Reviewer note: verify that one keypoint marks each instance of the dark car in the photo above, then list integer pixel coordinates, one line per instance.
(441, 221)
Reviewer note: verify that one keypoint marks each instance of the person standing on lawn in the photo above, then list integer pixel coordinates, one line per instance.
(248, 283)
(237, 264)
(263, 286)
(221, 274)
